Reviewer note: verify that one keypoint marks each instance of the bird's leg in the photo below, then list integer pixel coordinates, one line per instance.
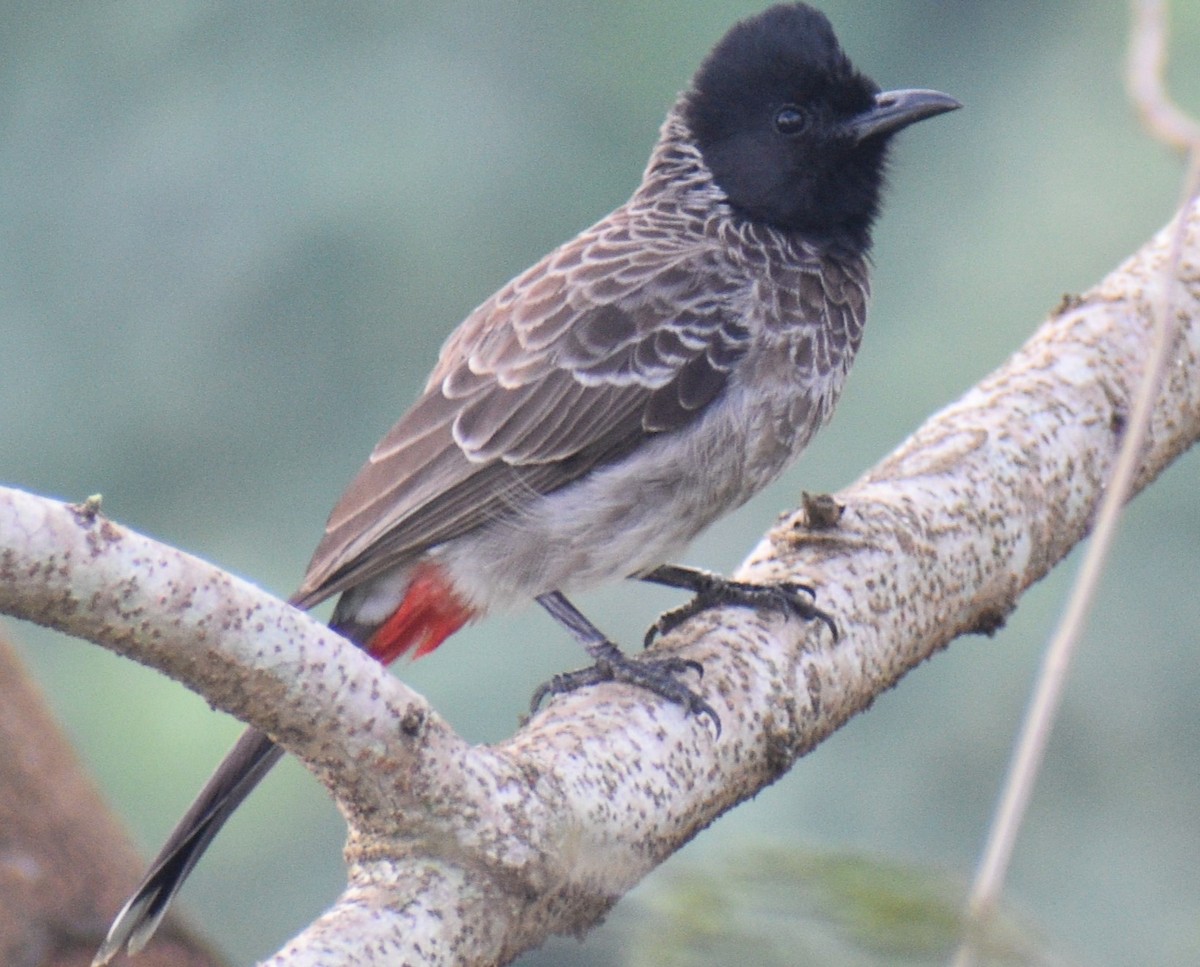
(657, 675)
(712, 591)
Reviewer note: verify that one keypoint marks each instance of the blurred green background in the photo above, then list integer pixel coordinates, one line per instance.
(233, 235)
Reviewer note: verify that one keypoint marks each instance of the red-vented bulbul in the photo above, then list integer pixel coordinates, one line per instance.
(596, 413)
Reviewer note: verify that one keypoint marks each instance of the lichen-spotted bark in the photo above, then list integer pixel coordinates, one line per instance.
(466, 855)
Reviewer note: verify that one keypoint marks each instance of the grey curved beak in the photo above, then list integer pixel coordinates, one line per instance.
(894, 110)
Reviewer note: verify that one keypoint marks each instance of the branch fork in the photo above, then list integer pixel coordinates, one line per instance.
(463, 854)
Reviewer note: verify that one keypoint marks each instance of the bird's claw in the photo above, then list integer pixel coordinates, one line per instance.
(657, 675)
(789, 598)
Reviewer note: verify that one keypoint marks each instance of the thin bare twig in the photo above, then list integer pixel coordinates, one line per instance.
(1144, 78)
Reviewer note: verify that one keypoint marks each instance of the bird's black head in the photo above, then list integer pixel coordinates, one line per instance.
(791, 132)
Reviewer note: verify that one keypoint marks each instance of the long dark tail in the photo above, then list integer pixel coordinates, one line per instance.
(239, 772)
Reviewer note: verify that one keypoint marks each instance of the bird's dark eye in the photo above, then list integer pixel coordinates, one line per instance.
(789, 119)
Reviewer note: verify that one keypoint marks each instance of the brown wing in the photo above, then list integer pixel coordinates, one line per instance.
(610, 339)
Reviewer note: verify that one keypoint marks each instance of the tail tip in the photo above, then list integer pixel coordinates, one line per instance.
(132, 929)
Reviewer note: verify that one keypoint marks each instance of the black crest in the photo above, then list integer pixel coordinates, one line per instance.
(769, 109)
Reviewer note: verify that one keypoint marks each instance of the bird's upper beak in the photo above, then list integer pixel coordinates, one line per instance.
(894, 110)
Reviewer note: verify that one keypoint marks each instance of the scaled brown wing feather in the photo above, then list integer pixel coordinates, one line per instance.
(554, 375)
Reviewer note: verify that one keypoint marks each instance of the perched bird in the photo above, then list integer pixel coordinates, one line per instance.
(645, 378)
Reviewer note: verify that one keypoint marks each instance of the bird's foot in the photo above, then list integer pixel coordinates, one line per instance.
(657, 675)
(713, 591)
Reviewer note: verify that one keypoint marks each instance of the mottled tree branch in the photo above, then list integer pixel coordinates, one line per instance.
(466, 854)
